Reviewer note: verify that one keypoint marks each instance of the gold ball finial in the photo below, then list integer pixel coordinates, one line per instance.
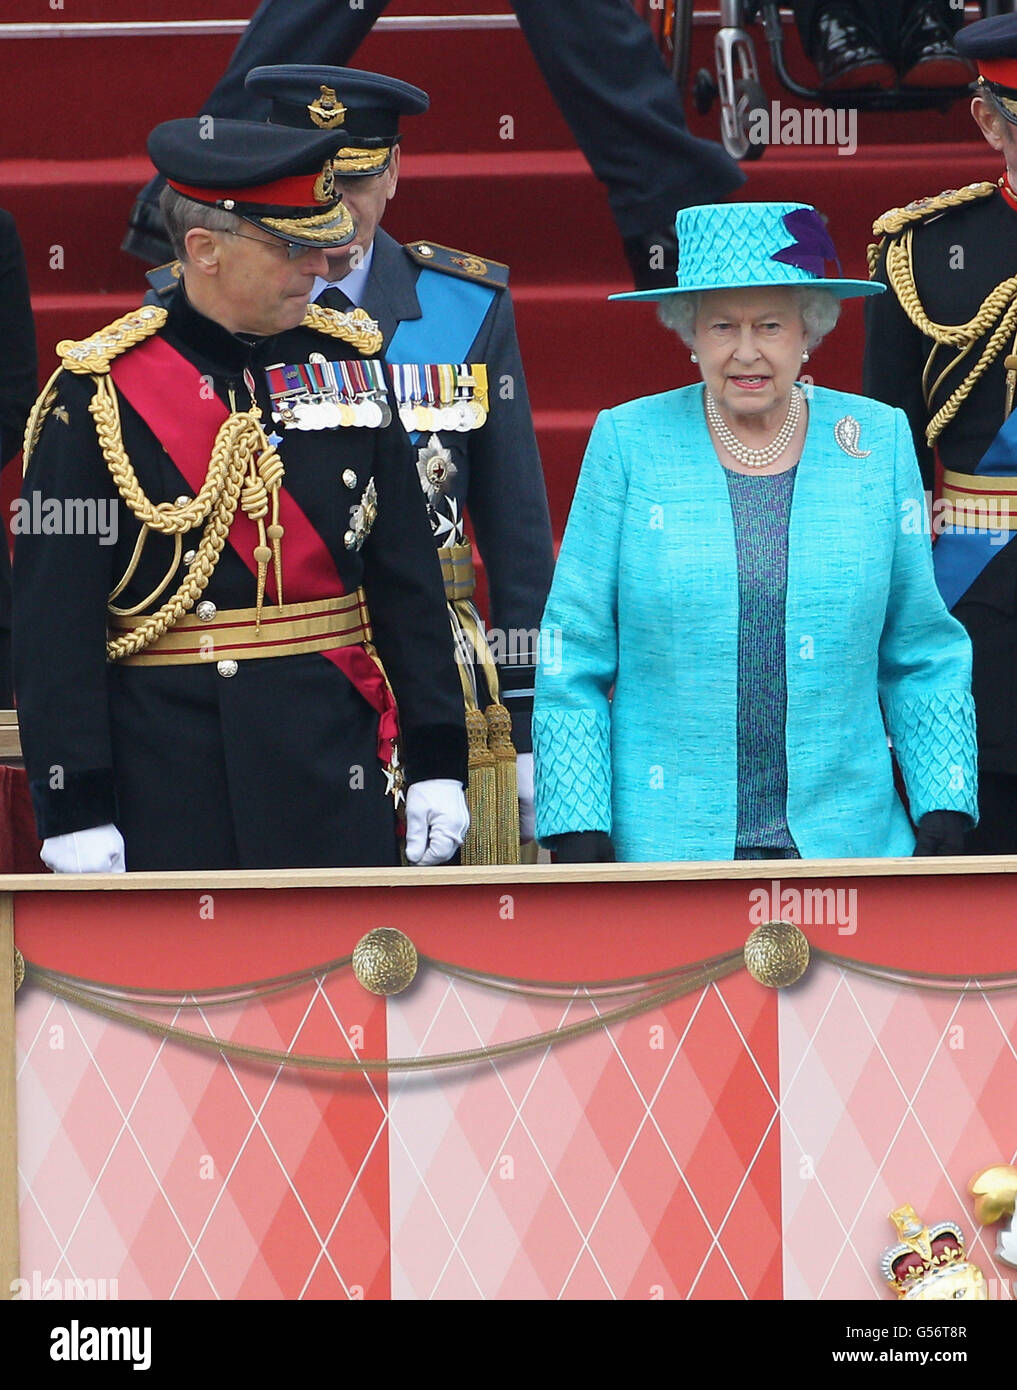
(19, 970)
(777, 954)
(385, 961)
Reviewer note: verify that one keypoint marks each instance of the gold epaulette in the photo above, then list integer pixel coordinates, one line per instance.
(355, 327)
(461, 263)
(92, 356)
(897, 219)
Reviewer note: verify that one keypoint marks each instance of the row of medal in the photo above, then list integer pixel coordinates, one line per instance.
(435, 396)
(320, 395)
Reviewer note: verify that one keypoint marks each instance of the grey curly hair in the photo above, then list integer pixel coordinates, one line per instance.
(819, 308)
(181, 214)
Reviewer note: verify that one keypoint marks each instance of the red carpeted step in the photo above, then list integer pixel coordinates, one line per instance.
(122, 87)
(497, 206)
(119, 88)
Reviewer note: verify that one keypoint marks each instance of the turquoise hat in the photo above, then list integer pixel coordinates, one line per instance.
(724, 246)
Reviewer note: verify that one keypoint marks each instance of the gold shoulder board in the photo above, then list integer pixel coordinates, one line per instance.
(461, 263)
(92, 356)
(893, 222)
(355, 327)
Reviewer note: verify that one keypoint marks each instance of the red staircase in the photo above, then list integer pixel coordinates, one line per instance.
(79, 109)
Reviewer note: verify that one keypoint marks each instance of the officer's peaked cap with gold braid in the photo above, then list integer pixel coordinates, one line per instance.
(992, 45)
(362, 109)
(279, 179)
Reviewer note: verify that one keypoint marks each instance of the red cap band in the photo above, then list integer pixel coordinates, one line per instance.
(295, 192)
(1002, 71)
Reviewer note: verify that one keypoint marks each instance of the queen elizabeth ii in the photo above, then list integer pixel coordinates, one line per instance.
(746, 620)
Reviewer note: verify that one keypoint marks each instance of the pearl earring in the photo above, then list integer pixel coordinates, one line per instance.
(693, 357)
(805, 355)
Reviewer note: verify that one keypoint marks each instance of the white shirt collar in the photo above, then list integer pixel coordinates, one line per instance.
(352, 285)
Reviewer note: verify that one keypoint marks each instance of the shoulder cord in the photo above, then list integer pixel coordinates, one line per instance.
(999, 308)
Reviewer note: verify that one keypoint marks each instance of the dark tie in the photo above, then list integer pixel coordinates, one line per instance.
(333, 298)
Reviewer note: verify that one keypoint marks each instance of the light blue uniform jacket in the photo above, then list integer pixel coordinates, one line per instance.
(635, 729)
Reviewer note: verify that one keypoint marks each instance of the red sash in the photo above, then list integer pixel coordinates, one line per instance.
(158, 381)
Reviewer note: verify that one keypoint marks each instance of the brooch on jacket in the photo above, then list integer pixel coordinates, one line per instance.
(847, 432)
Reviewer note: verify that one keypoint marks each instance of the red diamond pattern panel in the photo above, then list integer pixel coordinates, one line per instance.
(889, 1096)
(635, 1162)
(181, 1174)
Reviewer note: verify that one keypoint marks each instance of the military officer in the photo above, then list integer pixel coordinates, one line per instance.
(449, 337)
(18, 385)
(231, 636)
(942, 347)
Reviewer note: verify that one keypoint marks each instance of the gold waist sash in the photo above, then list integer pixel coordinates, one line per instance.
(979, 503)
(288, 629)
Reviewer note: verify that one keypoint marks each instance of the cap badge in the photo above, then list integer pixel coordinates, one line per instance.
(327, 111)
(324, 185)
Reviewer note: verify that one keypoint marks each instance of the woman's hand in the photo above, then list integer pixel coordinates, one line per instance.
(583, 847)
(941, 832)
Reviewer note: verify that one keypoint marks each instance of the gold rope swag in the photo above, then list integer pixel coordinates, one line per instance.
(640, 994)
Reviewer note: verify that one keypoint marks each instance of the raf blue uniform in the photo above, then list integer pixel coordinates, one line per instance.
(498, 477)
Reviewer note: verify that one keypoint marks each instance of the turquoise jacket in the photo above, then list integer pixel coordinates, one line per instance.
(634, 727)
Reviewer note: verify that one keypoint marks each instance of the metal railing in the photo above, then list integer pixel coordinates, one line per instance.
(197, 28)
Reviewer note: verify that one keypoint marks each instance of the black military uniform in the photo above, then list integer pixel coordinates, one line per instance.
(18, 386)
(490, 465)
(240, 759)
(943, 258)
(449, 337)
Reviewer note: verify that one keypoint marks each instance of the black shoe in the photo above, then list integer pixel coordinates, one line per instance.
(846, 54)
(927, 55)
(653, 259)
(146, 233)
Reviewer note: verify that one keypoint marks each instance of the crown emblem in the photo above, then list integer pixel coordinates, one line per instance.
(327, 111)
(930, 1262)
(323, 190)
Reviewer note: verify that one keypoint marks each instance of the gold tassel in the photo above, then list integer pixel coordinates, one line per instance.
(481, 795)
(506, 807)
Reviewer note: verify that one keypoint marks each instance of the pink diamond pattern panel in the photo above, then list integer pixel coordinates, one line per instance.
(583, 1170)
(889, 1095)
(182, 1174)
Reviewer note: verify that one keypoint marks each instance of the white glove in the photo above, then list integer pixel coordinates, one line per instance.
(97, 850)
(524, 788)
(436, 820)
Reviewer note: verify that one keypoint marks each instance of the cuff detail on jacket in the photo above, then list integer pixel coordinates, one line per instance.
(435, 750)
(84, 799)
(934, 742)
(572, 765)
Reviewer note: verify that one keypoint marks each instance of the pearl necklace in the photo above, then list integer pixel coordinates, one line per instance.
(756, 458)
